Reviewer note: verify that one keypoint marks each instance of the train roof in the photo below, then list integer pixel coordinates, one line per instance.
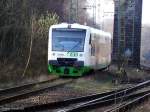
(76, 25)
(66, 25)
(100, 32)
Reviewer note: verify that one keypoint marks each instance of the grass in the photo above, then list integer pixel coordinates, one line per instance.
(99, 82)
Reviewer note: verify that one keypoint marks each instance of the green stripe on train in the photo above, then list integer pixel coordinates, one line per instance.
(73, 71)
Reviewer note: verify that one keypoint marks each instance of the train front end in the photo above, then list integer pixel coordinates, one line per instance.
(66, 56)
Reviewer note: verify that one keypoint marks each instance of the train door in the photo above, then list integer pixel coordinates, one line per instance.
(97, 51)
(92, 51)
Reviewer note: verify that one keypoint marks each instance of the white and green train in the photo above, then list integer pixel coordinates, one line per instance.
(75, 49)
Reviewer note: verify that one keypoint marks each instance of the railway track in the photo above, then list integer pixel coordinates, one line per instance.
(122, 98)
(16, 93)
(12, 90)
(116, 97)
(128, 105)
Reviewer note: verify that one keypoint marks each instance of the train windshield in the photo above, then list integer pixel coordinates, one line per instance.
(68, 40)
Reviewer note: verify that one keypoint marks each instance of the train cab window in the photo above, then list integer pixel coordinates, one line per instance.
(68, 40)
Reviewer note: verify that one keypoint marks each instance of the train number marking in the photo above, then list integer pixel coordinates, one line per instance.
(72, 54)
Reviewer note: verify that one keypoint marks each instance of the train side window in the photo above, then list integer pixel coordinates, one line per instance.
(90, 40)
(93, 50)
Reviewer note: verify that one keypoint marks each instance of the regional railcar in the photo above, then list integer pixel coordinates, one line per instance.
(75, 49)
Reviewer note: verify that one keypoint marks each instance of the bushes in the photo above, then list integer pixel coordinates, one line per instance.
(23, 21)
(33, 58)
(42, 24)
(40, 28)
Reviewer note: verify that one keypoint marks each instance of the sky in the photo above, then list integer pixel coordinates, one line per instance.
(145, 12)
(101, 7)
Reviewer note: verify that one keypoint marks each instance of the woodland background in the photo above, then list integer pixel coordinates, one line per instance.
(24, 28)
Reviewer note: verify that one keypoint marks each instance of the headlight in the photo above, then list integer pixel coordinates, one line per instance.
(81, 55)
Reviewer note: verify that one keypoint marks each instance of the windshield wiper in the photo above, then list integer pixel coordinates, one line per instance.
(74, 47)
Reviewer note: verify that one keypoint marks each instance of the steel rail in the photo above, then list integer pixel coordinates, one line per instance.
(25, 86)
(110, 97)
(118, 94)
(26, 94)
(90, 106)
(105, 102)
(126, 106)
(106, 97)
(68, 101)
